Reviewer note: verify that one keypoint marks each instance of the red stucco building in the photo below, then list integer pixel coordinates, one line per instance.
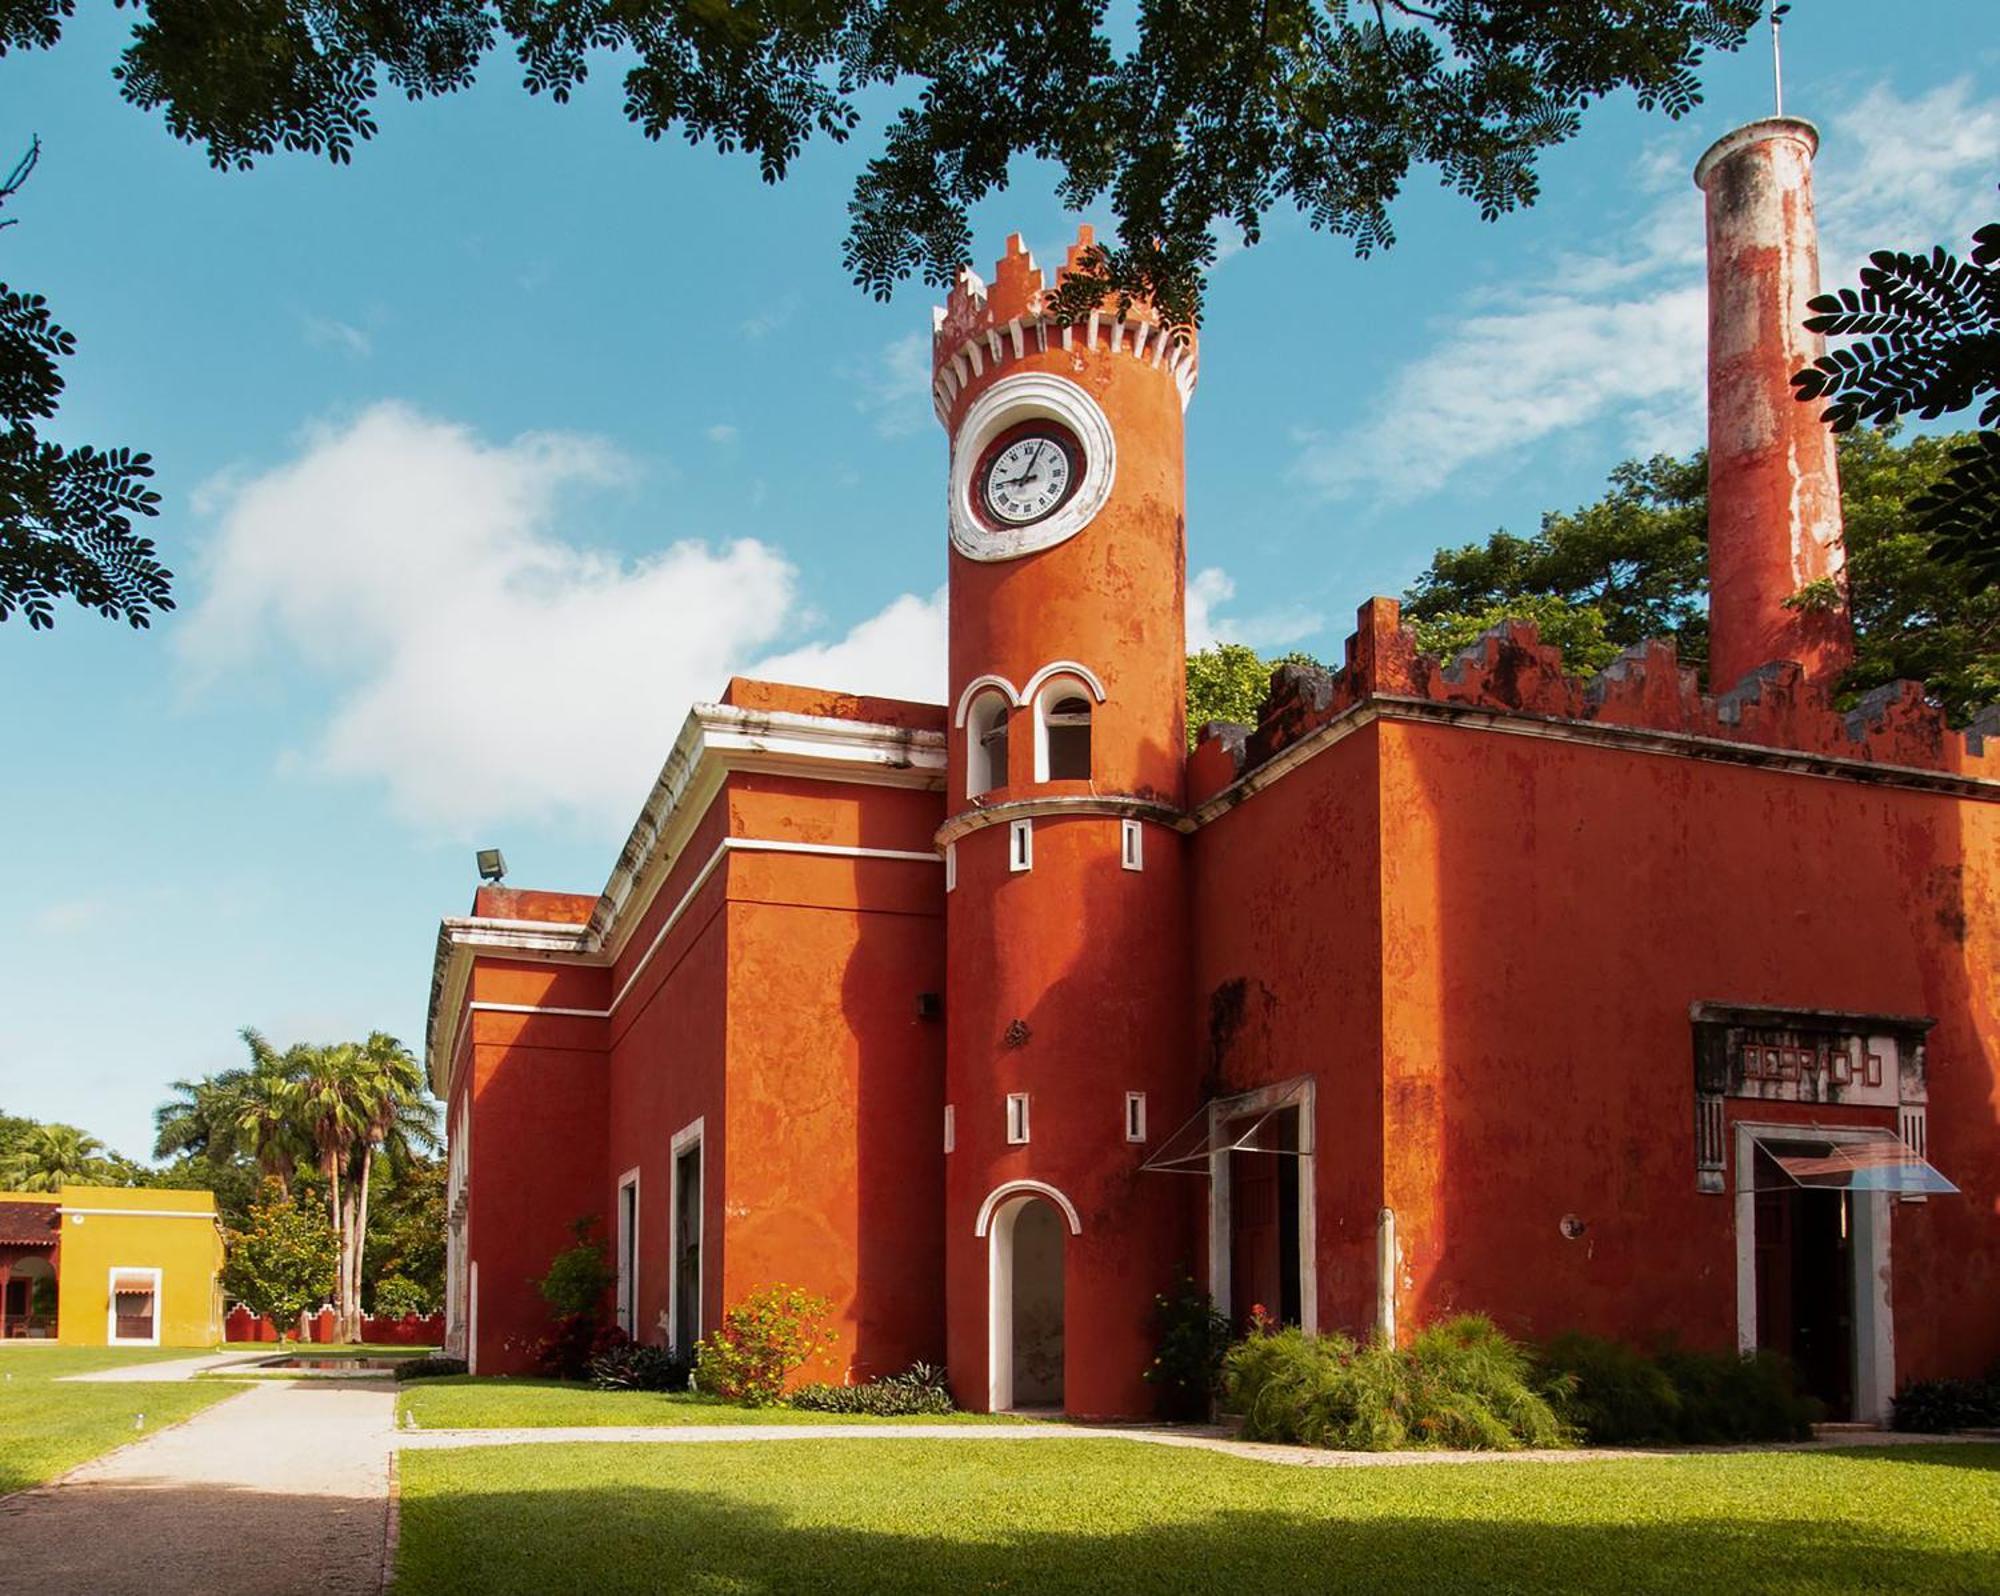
(1452, 984)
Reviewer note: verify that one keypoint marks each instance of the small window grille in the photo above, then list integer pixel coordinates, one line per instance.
(1132, 849)
(1021, 845)
(1017, 1118)
(951, 867)
(1135, 1116)
(950, 1128)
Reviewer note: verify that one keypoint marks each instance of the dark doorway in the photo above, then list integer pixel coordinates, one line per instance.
(1264, 1224)
(1805, 1283)
(687, 1250)
(1037, 1240)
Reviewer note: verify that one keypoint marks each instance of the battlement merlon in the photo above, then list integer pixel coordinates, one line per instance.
(982, 325)
(1776, 715)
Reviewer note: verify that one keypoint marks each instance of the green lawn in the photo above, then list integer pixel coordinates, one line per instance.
(461, 1402)
(1096, 1516)
(47, 1429)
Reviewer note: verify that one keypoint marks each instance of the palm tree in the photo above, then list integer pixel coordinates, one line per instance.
(48, 1157)
(248, 1111)
(396, 1118)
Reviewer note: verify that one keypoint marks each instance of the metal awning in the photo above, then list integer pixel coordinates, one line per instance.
(1882, 1161)
(1249, 1122)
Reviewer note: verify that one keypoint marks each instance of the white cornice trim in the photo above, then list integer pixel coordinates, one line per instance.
(1108, 804)
(460, 939)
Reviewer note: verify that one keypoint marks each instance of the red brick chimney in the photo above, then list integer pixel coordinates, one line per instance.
(1773, 487)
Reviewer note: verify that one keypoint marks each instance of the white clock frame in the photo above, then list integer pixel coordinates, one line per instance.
(1030, 396)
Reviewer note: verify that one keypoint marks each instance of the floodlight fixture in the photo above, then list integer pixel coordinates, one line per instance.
(492, 865)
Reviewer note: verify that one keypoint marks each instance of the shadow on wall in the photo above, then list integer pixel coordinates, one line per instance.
(793, 1518)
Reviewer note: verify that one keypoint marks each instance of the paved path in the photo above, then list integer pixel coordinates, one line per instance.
(171, 1368)
(279, 1491)
(1203, 1438)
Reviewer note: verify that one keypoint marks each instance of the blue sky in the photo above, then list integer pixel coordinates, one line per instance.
(487, 455)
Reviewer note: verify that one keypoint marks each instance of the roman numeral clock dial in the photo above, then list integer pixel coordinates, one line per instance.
(1027, 475)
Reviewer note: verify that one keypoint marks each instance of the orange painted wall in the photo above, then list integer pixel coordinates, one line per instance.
(1549, 913)
(1090, 958)
(1288, 981)
(538, 1104)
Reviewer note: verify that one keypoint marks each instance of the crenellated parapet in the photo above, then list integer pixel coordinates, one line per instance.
(982, 326)
(1646, 697)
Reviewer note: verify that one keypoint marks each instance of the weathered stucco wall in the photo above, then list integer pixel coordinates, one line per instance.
(1550, 911)
(1288, 981)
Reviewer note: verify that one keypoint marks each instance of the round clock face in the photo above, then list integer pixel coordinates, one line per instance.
(1029, 474)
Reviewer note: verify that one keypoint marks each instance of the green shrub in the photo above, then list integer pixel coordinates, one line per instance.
(580, 1275)
(760, 1342)
(433, 1367)
(1193, 1341)
(396, 1295)
(1729, 1396)
(920, 1389)
(1458, 1384)
(1613, 1394)
(1937, 1407)
(631, 1366)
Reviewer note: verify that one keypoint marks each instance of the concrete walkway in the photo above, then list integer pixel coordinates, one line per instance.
(281, 1490)
(171, 1368)
(1202, 1438)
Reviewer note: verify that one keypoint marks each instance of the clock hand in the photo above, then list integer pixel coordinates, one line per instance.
(1033, 466)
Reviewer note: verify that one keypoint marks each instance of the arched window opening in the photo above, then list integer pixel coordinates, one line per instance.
(986, 744)
(1063, 746)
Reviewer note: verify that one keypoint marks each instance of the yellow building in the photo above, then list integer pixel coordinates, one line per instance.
(126, 1267)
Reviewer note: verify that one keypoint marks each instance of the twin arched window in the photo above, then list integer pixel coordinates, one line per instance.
(1062, 710)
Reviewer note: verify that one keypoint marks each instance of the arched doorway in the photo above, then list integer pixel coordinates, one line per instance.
(1027, 1229)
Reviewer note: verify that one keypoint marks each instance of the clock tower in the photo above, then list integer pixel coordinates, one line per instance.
(1067, 1050)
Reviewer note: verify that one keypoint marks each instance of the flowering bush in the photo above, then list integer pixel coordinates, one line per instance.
(1193, 1338)
(761, 1341)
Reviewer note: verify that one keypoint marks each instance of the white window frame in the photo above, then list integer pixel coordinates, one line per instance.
(1017, 1119)
(980, 775)
(951, 867)
(1052, 692)
(111, 1336)
(1135, 1116)
(1020, 846)
(689, 1135)
(950, 1128)
(1131, 845)
(628, 1254)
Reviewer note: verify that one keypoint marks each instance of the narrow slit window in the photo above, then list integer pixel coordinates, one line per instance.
(1135, 1116)
(1017, 1118)
(951, 867)
(950, 1128)
(1132, 845)
(986, 744)
(1021, 845)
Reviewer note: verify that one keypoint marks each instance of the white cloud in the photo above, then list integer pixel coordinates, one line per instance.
(722, 432)
(897, 653)
(69, 916)
(1617, 337)
(329, 332)
(481, 664)
(771, 319)
(895, 386)
(1211, 588)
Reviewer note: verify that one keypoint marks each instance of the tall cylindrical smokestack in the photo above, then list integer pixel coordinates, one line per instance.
(1773, 487)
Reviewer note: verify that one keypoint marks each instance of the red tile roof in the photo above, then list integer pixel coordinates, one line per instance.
(30, 1224)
